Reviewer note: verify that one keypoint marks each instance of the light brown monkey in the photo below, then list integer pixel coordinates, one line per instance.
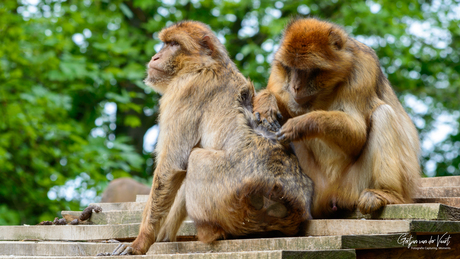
(213, 162)
(349, 131)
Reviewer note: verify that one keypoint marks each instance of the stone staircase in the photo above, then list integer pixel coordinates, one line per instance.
(427, 229)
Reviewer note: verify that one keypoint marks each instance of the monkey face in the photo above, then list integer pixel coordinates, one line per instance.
(161, 67)
(187, 46)
(302, 84)
(312, 58)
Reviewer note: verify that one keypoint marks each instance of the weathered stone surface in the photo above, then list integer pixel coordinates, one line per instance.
(444, 181)
(53, 248)
(294, 244)
(109, 217)
(335, 227)
(30, 248)
(435, 227)
(372, 241)
(123, 231)
(450, 201)
(421, 247)
(142, 198)
(434, 192)
(327, 254)
(398, 211)
(68, 232)
(413, 211)
(121, 206)
(81, 232)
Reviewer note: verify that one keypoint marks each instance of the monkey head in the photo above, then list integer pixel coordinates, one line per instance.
(187, 47)
(313, 57)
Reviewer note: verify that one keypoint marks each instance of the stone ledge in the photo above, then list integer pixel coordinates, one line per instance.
(326, 254)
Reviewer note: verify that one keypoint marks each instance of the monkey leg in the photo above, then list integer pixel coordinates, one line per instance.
(166, 183)
(175, 217)
(390, 158)
(205, 189)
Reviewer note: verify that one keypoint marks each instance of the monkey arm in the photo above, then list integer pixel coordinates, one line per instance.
(338, 129)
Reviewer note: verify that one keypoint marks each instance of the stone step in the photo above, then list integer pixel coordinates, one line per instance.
(142, 198)
(314, 228)
(450, 201)
(120, 206)
(107, 217)
(54, 248)
(87, 248)
(443, 181)
(326, 254)
(434, 192)
(428, 211)
(82, 232)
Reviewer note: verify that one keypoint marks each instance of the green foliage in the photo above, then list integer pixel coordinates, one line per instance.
(63, 63)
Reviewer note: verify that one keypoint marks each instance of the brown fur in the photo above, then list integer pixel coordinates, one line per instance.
(349, 131)
(231, 177)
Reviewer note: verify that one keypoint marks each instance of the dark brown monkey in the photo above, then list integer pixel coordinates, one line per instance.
(213, 164)
(349, 131)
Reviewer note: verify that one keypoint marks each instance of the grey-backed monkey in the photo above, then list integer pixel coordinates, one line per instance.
(349, 131)
(213, 163)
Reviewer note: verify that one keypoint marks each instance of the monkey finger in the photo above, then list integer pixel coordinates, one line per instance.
(119, 250)
(119, 247)
(257, 114)
(274, 127)
(280, 136)
(277, 125)
(127, 251)
(271, 126)
(280, 117)
(266, 124)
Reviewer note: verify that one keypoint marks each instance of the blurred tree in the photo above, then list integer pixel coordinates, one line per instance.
(74, 110)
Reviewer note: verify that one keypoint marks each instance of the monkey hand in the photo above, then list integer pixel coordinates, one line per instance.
(121, 249)
(297, 128)
(269, 122)
(267, 112)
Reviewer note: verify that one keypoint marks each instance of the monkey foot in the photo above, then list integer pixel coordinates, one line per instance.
(272, 208)
(369, 202)
(121, 249)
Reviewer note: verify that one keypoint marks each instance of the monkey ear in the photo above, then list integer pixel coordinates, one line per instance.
(207, 42)
(335, 39)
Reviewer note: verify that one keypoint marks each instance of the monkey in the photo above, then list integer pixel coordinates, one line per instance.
(214, 162)
(124, 190)
(349, 131)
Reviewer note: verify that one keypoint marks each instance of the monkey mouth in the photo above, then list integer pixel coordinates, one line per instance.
(303, 99)
(155, 70)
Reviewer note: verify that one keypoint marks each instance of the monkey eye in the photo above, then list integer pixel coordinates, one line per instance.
(286, 68)
(173, 43)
